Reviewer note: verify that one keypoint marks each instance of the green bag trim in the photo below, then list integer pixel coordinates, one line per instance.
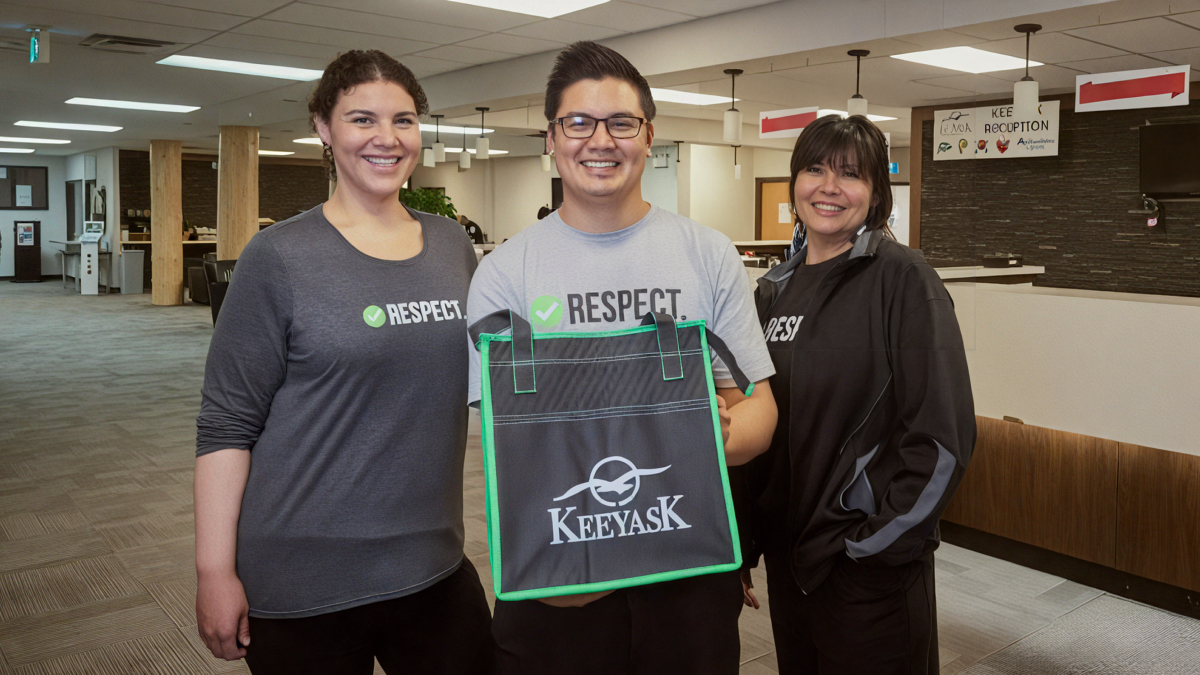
(493, 510)
(678, 355)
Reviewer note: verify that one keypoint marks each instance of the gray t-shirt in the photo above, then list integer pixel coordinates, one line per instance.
(346, 377)
(562, 279)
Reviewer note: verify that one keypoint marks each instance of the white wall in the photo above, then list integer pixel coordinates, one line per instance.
(772, 163)
(502, 194)
(520, 188)
(660, 187)
(1119, 366)
(718, 200)
(53, 220)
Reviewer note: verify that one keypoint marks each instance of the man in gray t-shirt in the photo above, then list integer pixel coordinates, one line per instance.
(600, 262)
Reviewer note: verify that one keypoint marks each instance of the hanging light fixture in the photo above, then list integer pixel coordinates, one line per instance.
(1025, 92)
(439, 148)
(737, 168)
(546, 159)
(429, 158)
(733, 116)
(857, 105)
(464, 157)
(678, 151)
(481, 144)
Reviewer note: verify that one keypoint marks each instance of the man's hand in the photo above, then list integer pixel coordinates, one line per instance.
(726, 420)
(222, 615)
(748, 590)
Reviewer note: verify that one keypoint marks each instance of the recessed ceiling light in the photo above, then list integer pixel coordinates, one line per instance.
(22, 151)
(243, 68)
(544, 8)
(274, 152)
(874, 118)
(690, 98)
(63, 125)
(133, 105)
(47, 141)
(966, 59)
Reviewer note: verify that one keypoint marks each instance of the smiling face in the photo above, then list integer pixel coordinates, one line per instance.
(375, 137)
(832, 198)
(601, 167)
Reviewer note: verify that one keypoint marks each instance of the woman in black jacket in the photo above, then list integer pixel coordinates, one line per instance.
(876, 421)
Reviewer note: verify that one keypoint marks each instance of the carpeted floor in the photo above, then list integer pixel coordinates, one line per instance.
(98, 399)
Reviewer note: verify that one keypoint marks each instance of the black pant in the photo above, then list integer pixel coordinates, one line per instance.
(443, 629)
(684, 626)
(863, 619)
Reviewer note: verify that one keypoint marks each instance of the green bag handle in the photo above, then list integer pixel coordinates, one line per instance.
(672, 361)
(524, 377)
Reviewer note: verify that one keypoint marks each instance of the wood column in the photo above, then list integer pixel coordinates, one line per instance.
(166, 222)
(237, 190)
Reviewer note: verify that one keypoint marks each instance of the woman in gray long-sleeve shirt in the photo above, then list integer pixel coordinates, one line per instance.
(332, 430)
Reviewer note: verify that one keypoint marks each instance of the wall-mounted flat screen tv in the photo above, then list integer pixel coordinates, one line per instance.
(1170, 160)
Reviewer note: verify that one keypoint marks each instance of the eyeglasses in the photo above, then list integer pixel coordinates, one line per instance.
(619, 126)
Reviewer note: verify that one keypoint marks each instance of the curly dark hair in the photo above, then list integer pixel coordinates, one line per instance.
(591, 61)
(841, 142)
(349, 70)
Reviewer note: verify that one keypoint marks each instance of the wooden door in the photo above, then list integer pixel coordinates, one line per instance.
(775, 220)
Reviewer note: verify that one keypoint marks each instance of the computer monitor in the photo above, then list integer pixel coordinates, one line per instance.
(93, 227)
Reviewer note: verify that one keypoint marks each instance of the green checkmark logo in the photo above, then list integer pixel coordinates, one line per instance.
(374, 316)
(546, 311)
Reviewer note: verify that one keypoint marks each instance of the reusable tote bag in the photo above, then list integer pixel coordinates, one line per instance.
(603, 455)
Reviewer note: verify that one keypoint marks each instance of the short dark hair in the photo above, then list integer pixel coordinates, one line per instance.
(349, 70)
(839, 142)
(590, 61)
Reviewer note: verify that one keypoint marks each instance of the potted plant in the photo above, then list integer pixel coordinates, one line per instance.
(429, 201)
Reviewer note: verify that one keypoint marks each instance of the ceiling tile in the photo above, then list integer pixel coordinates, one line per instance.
(140, 11)
(626, 17)
(972, 84)
(1048, 77)
(423, 66)
(1128, 10)
(82, 25)
(1144, 35)
(1052, 48)
(1115, 64)
(512, 44)
(939, 39)
(439, 12)
(701, 7)
(374, 24)
(1191, 19)
(465, 54)
(238, 7)
(266, 45)
(1178, 58)
(329, 36)
(1051, 22)
(564, 31)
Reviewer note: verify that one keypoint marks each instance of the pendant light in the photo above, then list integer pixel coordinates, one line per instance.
(546, 159)
(481, 144)
(733, 116)
(464, 157)
(429, 158)
(439, 148)
(1025, 92)
(857, 105)
(678, 151)
(737, 168)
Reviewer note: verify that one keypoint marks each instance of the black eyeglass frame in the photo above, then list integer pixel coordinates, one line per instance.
(640, 120)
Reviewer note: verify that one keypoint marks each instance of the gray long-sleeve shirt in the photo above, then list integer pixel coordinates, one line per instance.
(346, 378)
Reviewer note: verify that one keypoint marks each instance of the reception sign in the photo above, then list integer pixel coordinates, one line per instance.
(785, 123)
(996, 132)
(1148, 88)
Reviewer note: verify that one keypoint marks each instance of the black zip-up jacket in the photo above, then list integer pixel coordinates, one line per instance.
(881, 342)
